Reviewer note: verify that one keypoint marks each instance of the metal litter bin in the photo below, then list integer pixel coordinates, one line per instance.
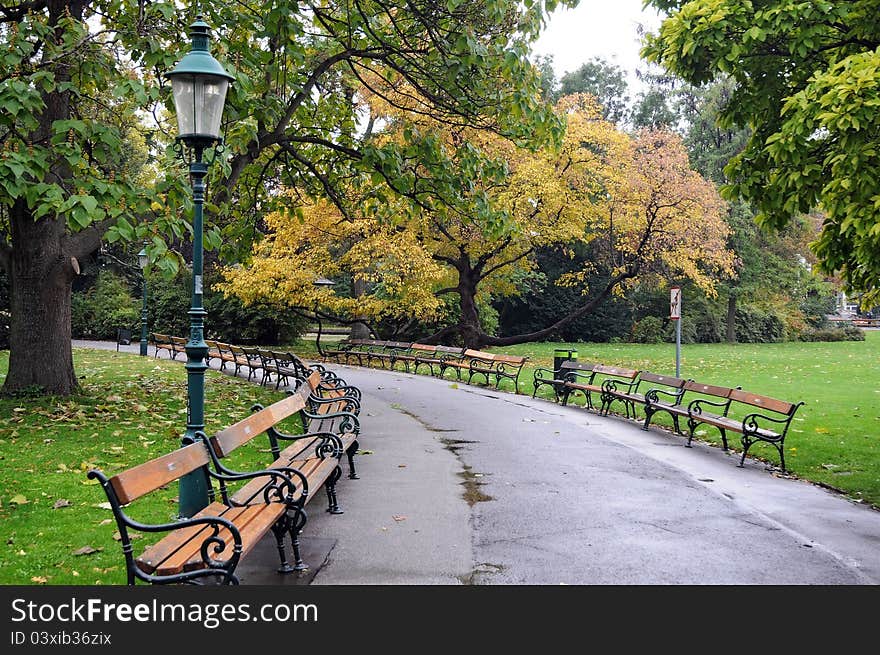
(562, 355)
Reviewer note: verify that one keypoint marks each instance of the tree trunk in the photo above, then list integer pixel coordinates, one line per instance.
(731, 318)
(40, 277)
(358, 330)
(469, 327)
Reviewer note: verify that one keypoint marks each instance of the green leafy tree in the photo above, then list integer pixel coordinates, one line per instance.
(79, 80)
(604, 81)
(806, 80)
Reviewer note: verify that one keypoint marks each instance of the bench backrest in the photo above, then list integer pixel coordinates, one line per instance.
(424, 347)
(452, 350)
(479, 354)
(708, 389)
(397, 344)
(756, 400)
(667, 380)
(516, 360)
(238, 434)
(571, 365)
(615, 371)
(144, 478)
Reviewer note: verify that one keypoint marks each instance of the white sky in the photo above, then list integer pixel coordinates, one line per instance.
(597, 28)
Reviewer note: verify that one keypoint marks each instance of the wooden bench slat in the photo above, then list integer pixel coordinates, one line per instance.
(144, 478)
(756, 400)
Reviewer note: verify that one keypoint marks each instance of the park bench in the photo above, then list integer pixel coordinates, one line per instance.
(675, 406)
(636, 394)
(220, 351)
(178, 347)
(556, 378)
(211, 543)
(594, 381)
(501, 367)
(412, 355)
(348, 350)
(256, 363)
(388, 351)
(315, 455)
(162, 342)
(460, 360)
(769, 423)
(435, 356)
(239, 359)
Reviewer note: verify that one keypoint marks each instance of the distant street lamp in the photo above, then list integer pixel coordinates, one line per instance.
(143, 260)
(199, 84)
(325, 283)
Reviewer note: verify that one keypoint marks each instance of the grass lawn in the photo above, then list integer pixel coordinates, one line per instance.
(56, 531)
(131, 409)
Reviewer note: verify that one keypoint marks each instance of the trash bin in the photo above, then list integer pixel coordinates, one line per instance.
(562, 355)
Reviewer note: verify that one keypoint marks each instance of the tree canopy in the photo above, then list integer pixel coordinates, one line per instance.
(806, 81)
(81, 81)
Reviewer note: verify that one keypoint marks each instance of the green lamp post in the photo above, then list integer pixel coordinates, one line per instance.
(198, 84)
(143, 260)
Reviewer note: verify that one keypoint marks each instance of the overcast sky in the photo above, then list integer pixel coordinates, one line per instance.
(597, 28)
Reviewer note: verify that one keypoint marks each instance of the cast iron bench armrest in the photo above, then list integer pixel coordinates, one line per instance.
(616, 386)
(272, 492)
(651, 395)
(695, 406)
(349, 390)
(349, 423)
(348, 404)
(573, 376)
(211, 541)
(321, 449)
(751, 426)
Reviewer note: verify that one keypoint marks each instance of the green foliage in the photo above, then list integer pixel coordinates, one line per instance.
(650, 329)
(107, 306)
(603, 80)
(848, 333)
(228, 320)
(130, 410)
(542, 302)
(806, 81)
(754, 325)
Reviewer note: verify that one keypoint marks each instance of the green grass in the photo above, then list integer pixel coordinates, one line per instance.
(131, 409)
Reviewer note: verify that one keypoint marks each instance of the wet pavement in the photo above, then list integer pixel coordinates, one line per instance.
(466, 485)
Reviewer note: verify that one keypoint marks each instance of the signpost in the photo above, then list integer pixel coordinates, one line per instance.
(675, 315)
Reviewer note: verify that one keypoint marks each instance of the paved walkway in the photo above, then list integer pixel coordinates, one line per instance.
(467, 485)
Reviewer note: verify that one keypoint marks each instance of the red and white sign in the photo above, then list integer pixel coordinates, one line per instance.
(675, 303)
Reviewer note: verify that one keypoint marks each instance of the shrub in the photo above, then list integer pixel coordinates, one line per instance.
(228, 320)
(650, 329)
(754, 325)
(104, 308)
(847, 333)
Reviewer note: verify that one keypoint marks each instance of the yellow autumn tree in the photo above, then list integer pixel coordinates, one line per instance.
(313, 240)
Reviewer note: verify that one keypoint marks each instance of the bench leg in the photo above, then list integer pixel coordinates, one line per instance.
(648, 414)
(352, 474)
(295, 526)
(330, 487)
(278, 530)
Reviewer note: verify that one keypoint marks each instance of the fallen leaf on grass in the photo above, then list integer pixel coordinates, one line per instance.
(39, 579)
(86, 550)
(18, 499)
(103, 506)
(61, 502)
